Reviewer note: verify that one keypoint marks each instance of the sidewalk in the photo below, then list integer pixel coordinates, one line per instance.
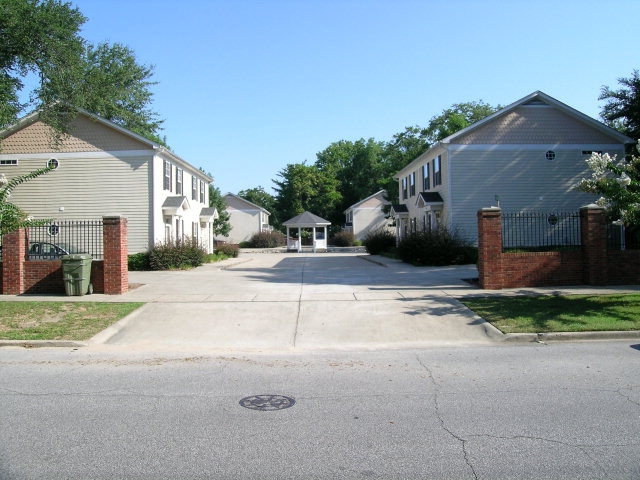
(303, 302)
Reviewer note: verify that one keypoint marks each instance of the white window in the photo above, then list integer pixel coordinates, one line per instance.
(194, 188)
(426, 181)
(404, 188)
(12, 161)
(178, 181)
(167, 175)
(201, 191)
(437, 172)
(412, 184)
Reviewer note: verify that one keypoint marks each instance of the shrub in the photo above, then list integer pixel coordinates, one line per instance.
(138, 262)
(436, 248)
(379, 241)
(229, 249)
(176, 255)
(343, 239)
(267, 240)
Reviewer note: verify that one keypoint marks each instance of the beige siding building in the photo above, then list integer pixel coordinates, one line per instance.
(528, 156)
(104, 169)
(367, 215)
(246, 219)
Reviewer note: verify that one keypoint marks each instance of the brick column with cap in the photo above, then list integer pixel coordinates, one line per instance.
(593, 229)
(14, 251)
(490, 248)
(116, 272)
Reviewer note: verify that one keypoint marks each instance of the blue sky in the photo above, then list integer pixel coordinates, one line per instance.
(249, 86)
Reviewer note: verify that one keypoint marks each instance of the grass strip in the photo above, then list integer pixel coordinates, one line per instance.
(59, 320)
(572, 313)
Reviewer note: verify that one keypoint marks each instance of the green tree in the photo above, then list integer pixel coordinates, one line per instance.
(305, 187)
(114, 86)
(622, 110)
(13, 217)
(262, 198)
(40, 38)
(357, 166)
(221, 225)
(455, 118)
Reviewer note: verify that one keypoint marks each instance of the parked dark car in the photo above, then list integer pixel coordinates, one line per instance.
(46, 251)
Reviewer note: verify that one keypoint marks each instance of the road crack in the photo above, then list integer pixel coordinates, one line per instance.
(463, 442)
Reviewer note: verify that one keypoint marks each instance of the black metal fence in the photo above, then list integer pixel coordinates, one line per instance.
(539, 231)
(51, 241)
(620, 237)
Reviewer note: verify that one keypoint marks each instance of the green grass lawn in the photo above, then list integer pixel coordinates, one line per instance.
(59, 320)
(574, 313)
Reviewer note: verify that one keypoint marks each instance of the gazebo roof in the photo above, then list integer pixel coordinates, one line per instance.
(306, 219)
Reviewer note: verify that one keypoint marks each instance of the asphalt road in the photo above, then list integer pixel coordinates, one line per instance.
(534, 411)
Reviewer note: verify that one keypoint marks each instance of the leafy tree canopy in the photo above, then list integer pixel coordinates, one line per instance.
(455, 118)
(41, 39)
(622, 110)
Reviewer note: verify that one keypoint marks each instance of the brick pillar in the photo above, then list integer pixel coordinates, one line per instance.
(14, 252)
(593, 233)
(116, 272)
(490, 248)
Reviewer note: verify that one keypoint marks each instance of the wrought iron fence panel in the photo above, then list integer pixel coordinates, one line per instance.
(66, 237)
(620, 237)
(540, 230)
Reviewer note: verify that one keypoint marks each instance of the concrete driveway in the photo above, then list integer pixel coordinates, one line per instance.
(298, 301)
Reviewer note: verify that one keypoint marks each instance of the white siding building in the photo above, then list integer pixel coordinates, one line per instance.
(246, 219)
(528, 156)
(367, 215)
(104, 169)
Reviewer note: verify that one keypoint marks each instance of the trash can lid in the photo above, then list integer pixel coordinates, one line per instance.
(76, 256)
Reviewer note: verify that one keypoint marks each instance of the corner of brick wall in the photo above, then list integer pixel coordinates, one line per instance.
(490, 273)
(115, 267)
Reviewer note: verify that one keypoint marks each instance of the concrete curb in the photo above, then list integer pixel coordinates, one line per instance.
(569, 336)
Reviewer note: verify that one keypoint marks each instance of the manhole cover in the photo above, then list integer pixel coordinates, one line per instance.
(267, 402)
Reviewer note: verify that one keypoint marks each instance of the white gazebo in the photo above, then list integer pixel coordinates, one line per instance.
(307, 222)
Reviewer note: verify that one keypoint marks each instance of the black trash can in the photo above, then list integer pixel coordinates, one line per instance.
(76, 272)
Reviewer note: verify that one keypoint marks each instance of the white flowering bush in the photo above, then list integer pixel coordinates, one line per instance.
(618, 184)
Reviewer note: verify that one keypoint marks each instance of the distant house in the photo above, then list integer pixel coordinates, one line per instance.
(246, 219)
(525, 157)
(367, 215)
(103, 169)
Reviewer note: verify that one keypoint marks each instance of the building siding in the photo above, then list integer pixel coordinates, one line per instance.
(534, 124)
(521, 176)
(88, 188)
(86, 135)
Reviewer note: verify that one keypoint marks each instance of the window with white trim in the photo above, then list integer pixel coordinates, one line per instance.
(437, 172)
(412, 184)
(201, 191)
(194, 188)
(404, 188)
(167, 175)
(179, 174)
(11, 161)
(426, 181)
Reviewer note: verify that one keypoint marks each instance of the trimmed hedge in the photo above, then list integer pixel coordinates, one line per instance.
(267, 240)
(379, 241)
(177, 255)
(437, 248)
(228, 249)
(343, 239)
